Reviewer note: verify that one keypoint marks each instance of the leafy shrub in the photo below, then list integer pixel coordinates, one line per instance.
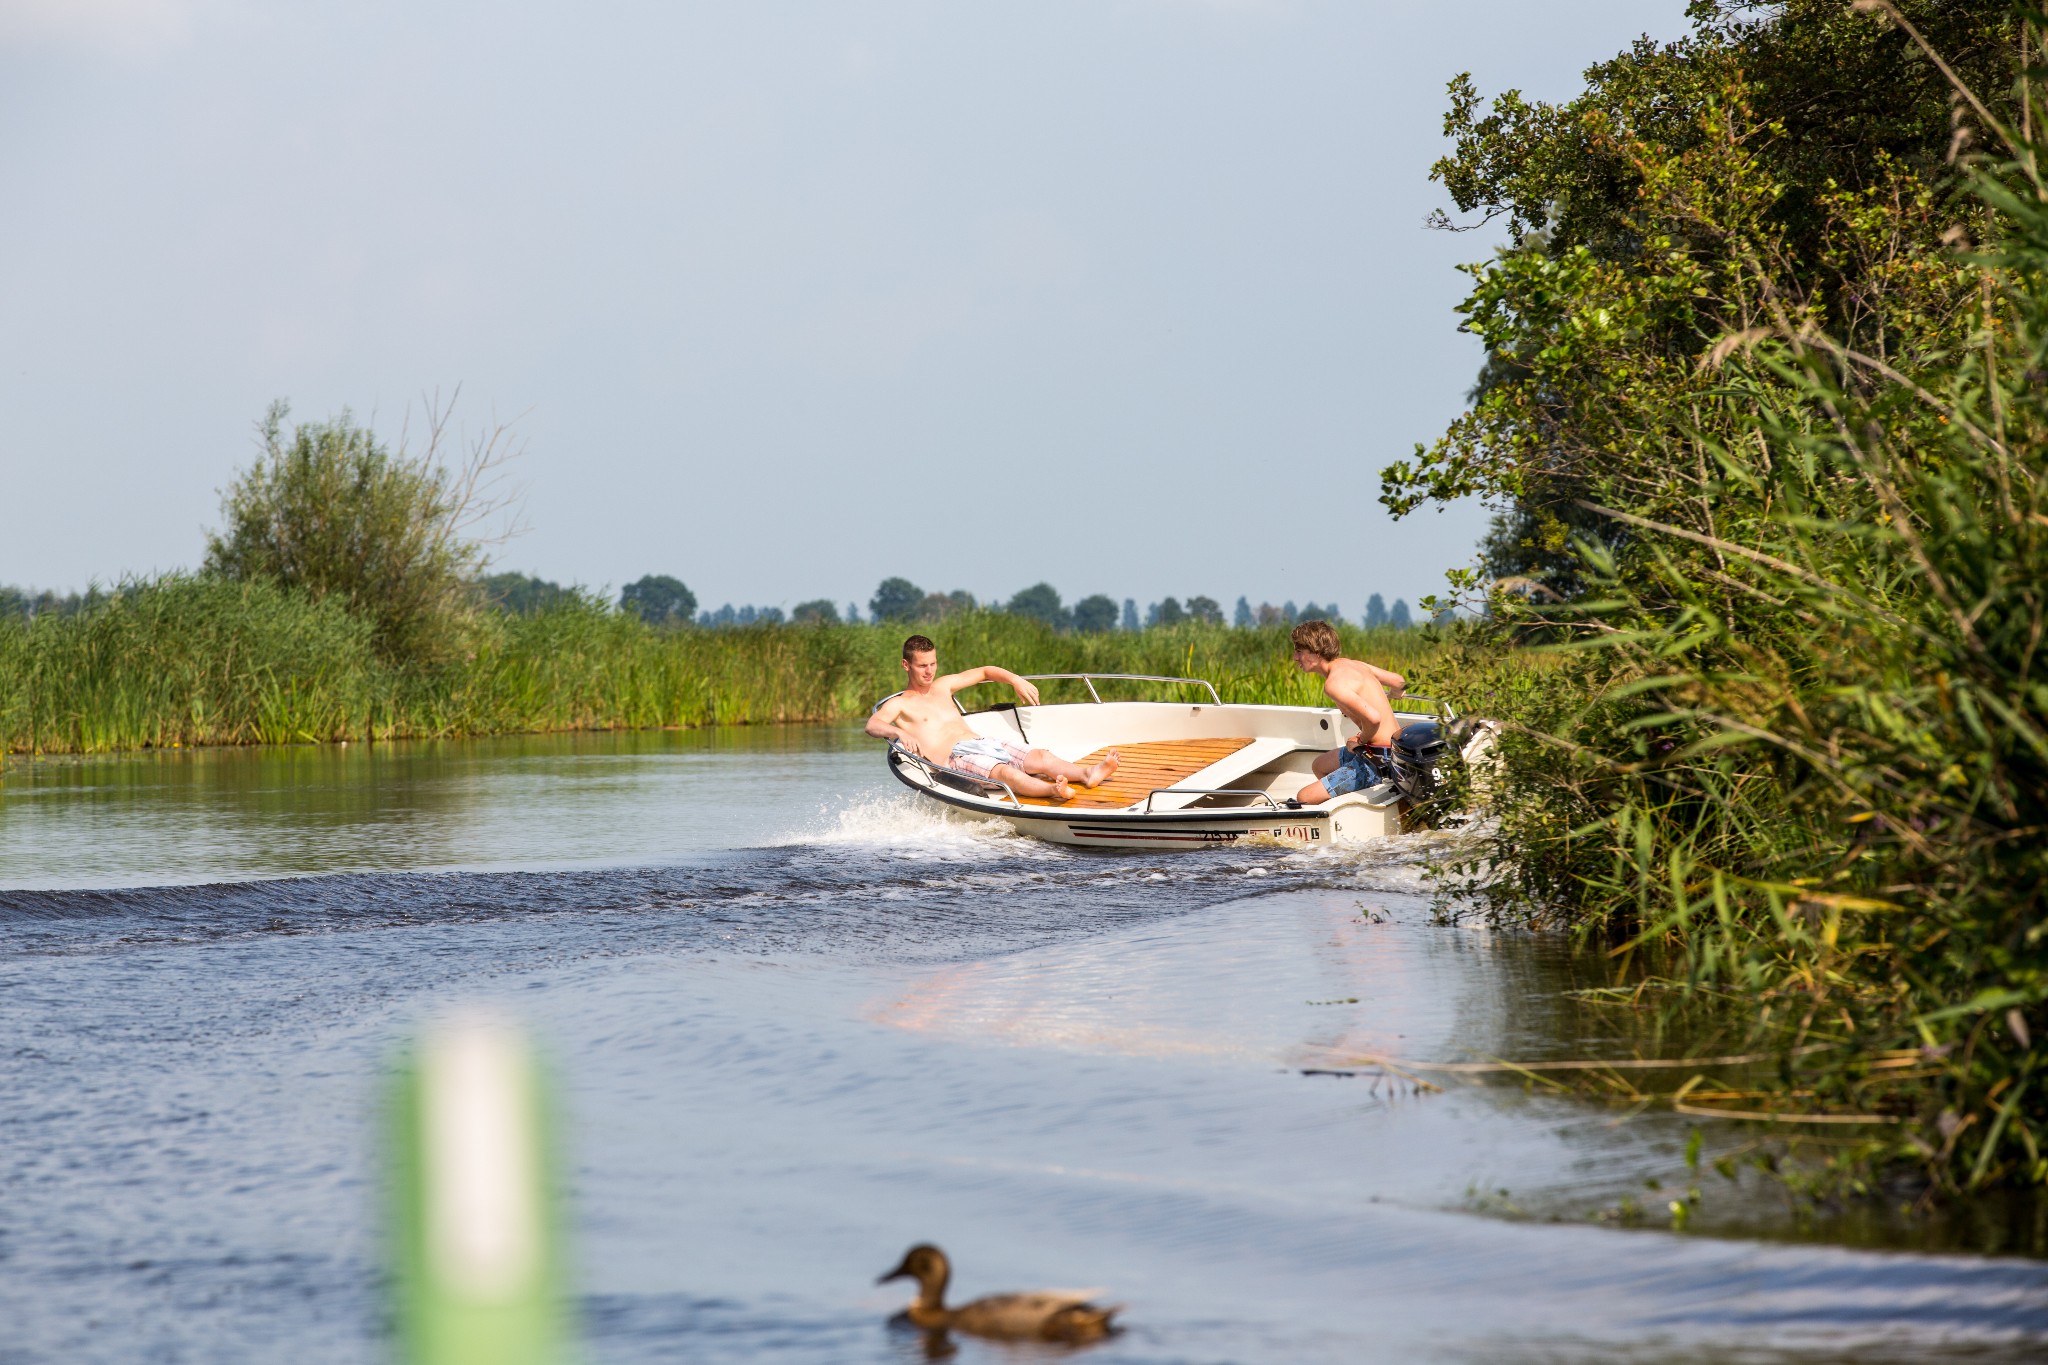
(331, 512)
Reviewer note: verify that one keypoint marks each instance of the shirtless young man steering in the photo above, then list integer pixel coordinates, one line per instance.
(924, 719)
(1361, 692)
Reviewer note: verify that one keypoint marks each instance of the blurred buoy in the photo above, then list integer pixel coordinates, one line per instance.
(477, 1274)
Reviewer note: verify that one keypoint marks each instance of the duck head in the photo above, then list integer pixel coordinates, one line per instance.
(927, 1265)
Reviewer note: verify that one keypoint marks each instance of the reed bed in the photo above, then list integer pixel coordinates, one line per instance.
(1795, 527)
(182, 661)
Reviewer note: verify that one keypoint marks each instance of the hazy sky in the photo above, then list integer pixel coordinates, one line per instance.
(1129, 295)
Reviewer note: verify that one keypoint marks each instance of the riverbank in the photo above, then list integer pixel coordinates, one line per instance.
(180, 662)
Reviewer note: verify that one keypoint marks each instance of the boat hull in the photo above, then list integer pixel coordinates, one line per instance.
(1142, 834)
(1348, 820)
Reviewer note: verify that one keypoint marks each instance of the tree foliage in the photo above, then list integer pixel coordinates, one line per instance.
(818, 611)
(522, 594)
(940, 605)
(897, 599)
(659, 600)
(28, 603)
(1040, 602)
(1095, 615)
(1784, 166)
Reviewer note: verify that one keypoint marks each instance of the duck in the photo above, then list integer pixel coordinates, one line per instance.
(1047, 1315)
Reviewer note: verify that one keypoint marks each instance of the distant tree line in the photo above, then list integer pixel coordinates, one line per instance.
(522, 594)
(900, 600)
(22, 604)
(665, 601)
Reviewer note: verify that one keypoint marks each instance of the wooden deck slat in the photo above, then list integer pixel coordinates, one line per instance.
(1145, 766)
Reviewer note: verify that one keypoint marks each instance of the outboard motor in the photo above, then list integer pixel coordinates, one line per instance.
(1421, 752)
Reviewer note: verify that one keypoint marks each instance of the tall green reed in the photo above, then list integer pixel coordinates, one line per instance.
(202, 661)
(184, 660)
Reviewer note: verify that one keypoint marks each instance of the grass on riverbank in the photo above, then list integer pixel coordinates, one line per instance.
(183, 661)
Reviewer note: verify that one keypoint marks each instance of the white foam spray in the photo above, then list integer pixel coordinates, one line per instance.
(908, 826)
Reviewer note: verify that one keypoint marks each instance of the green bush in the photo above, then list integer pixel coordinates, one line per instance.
(333, 513)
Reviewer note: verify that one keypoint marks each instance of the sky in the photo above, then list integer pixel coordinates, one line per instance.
(780, 298)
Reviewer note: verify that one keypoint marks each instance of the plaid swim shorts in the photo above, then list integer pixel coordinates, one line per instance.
(980, 757)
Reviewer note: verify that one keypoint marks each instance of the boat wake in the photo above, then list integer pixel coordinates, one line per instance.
(900, 825)
(876, 868)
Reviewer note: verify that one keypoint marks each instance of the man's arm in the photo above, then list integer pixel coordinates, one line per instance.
(882, 724)
(1393, 682)
(954, 682)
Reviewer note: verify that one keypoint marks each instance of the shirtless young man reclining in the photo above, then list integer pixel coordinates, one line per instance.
(923, 718)
(1361, 692)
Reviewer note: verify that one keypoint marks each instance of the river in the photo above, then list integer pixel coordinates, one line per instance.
(796, 1024)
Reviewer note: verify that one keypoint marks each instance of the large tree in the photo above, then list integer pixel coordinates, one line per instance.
(1095, 615)
(659, 600)
(1040, 602)
(820, 611)
(897, 599)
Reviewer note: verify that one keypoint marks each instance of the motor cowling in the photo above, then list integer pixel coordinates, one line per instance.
(1421, 753)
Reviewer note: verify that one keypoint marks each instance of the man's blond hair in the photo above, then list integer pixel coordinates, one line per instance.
(1317, 637)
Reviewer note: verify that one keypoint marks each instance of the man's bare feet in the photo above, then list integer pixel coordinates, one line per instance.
(1060, 790)
(1102, 771)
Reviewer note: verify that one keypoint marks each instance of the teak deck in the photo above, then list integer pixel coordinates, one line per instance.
(1144, 767)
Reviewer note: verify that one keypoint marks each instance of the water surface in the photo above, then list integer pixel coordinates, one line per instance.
(798, 1023)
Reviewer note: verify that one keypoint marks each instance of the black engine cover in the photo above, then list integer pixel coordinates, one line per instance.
(1421, 751)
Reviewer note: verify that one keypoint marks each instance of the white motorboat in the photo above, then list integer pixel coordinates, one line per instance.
(1194, 773)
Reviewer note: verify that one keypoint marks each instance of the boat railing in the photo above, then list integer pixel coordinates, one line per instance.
(933, 772)
(1090, 679)
(894, 695)
(1436, 707)
(1209, 791)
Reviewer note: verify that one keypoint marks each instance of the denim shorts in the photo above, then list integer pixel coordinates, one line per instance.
(1358, 768)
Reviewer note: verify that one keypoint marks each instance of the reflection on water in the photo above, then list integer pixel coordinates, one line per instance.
(524, 801)
(798, 1024)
